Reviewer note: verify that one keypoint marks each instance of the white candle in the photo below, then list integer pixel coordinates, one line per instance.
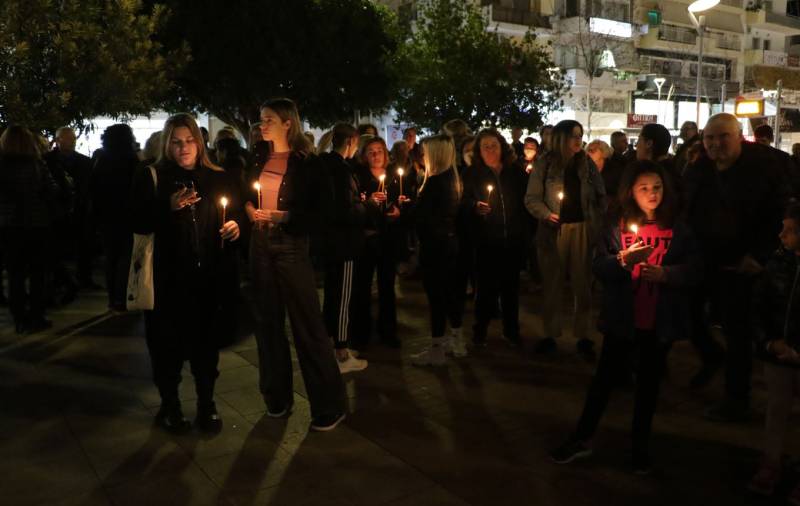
(381, 179)
(489, 188)
(224, 202)
(257, 186)
(400, 173)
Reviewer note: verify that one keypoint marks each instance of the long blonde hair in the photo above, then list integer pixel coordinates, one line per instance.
(286, 110)
(184, 120)
(440, 156)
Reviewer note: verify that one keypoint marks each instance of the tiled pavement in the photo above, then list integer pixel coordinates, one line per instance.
(76, 408)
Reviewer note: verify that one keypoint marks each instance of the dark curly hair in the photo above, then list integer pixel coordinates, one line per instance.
(507, 155)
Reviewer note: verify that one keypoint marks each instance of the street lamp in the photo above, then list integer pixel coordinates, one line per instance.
(659, 82)
(700, 25)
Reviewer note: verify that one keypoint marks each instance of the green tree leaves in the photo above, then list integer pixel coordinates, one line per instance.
(454, 65)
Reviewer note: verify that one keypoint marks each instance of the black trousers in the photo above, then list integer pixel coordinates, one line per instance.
(440, 277)
(177, 332)
(376, 256)
(26, 260)
(117, 244)
(498, 276)
(649, 359)
(85, 249)
(710, 351)
(283, 279)
(732, 301)
(338, 295)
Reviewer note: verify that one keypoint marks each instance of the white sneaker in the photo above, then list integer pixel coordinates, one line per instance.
(351, 364)
(456, 345)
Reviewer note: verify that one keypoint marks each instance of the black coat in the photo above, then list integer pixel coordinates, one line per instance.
(192, 268)
(684, 267)
(393, 233)
(776, 304)
(345, 212)
(738, 211)
(111, 180)
(507, 223)
(28, 193)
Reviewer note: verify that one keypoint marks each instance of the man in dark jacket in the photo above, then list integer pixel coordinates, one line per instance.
(344, 239)
(765, 136)
(63, 159)
(735, 196)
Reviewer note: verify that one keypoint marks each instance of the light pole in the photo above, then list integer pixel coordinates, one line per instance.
(700, 25)
(659, 82)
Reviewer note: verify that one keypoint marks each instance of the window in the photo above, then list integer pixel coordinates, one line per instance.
(756, 43)
(767, 44)
(617, 105)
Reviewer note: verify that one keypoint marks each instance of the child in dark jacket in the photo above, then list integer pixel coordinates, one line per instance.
(776, 322)
(646, 263)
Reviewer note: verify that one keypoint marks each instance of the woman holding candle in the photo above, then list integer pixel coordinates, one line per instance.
(493, 195)
(385, 244)
(194, 267)
(568, 230)
(646, 277)
(435, 215)
(282, 274)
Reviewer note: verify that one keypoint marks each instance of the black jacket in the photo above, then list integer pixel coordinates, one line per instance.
(111, 180)
(190, 262)
(437, 208)
(507, 223)
(683, 264)
(376, 220)
(28, 193)
(345, 212)
(738, 211)
(776, 304)
(300, 192)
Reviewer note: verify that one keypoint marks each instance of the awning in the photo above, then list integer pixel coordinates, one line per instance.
(677, 13)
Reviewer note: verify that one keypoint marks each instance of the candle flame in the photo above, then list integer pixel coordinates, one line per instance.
(257, 185)
(490, 188)
(634, 228)
(400, 172)
(223, 201)
(382, 177)
(560, 195)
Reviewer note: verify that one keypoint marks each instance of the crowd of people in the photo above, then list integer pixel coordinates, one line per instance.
(672, 244)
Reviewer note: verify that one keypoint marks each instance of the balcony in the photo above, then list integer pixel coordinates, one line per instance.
(765, 57)
(765, 16)
(672, 33)
(515, 16)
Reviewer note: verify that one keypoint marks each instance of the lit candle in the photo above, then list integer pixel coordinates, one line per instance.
(529, 168)
(381, 180)
(257, 186)
(224, 202)
(489, 188)
(400, 173)
(560, 197)
(635, 229)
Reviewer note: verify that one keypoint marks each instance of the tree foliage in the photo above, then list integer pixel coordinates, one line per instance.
(453, 65)
(331, 56)
(65, 61)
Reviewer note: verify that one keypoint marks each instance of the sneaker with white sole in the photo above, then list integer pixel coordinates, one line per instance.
(456, 346)
(324, 423)
(571, 450)
(351, 364)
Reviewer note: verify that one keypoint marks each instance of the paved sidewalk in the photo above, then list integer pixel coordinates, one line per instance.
(76, 409)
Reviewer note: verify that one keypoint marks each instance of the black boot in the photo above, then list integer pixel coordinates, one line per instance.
(208, 420)
(170, 415)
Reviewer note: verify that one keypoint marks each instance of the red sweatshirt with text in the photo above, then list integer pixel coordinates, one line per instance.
(645, 293)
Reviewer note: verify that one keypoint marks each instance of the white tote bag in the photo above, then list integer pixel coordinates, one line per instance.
(141, 292)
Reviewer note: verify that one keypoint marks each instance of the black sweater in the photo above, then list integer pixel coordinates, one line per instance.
(437, 208)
